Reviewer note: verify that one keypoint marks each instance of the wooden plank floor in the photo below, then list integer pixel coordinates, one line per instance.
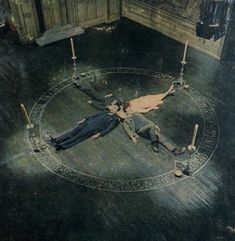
(38, 205)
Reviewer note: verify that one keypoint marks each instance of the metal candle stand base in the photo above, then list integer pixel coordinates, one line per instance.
(192, 148)
(30, 126)
(180, 81)
(75, 75)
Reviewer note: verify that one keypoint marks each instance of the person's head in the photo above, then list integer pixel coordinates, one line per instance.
(126, 108)
(115, 106)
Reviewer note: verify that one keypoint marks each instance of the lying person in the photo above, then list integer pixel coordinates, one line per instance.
(142, 104)
(99, 101)
(136, 125)
(94, 126)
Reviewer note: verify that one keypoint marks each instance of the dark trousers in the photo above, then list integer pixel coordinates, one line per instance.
(150, 131)
(75, 135)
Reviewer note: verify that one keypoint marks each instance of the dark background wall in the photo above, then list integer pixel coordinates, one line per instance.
(175, 19)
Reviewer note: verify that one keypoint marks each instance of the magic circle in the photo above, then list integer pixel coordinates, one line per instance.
(197, 160)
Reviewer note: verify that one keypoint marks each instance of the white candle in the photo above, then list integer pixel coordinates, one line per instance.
(185, 51)
(30, 125)
(72, 46)
(194, 135)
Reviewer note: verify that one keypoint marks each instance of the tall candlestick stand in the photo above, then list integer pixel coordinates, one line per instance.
(73, 53)
(74, 58)
(192, 146)
(180, 81)
(29, 123)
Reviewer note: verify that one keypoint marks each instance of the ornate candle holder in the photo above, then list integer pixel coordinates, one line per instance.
(180, 81)
(74, 63)
(74, 58)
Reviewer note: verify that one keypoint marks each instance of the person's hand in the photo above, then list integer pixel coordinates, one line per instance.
(108, 96)
(95, 136)
(80, 122)
(171, 90)
(134, 139)
(157, 128)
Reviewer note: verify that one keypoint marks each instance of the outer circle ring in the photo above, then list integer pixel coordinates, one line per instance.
(197, 161)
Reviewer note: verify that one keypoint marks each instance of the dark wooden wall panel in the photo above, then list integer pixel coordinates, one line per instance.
(24, 17)
(81, 13)
(174, 25)
(100, 10)
(84, 13)
(88, 13)
(114, 7)
(91, 9)
(54, 13)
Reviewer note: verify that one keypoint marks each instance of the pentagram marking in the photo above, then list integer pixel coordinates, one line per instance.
(197, 161)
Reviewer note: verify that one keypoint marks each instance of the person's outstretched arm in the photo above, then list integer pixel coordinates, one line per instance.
(170, 91)
(129, 128)
(97, 105)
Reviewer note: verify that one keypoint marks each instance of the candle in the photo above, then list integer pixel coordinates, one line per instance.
(185, 51)
(29, 125)
(192, 146)
(194, 135)
(72, 46)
